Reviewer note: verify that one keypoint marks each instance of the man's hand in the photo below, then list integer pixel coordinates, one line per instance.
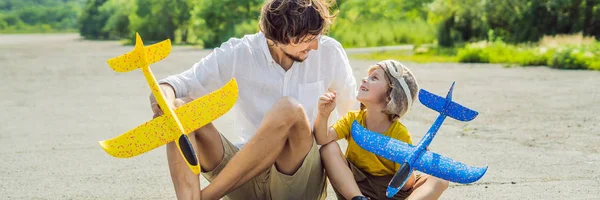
(326, 103)
(169, 98)
(158, 112)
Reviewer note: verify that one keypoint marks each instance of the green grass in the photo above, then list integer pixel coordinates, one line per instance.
(419, 55)
(382, 33)
(401, 57)
(579, 56)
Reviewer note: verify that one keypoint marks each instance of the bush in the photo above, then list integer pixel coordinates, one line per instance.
(569, 57)
(573, 58)
(533, 57)
(474, 53)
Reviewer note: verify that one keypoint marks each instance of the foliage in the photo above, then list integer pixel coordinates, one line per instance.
(585, 56)
(382, 23)
(517, 21)
(18, 16)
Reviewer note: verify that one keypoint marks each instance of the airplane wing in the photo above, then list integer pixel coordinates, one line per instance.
(448, 169)
(148, 136)
(431, 100)
(446, 107)
(430, 163)
(141, 55)
(162, 130)
(158, 51)
(129, 61)
(389, 148)
(460, 112)
(207, 108)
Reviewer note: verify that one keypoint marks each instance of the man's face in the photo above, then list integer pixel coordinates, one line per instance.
(299, 51)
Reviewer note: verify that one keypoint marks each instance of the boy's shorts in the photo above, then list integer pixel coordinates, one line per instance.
(375, 187)
(307, 183)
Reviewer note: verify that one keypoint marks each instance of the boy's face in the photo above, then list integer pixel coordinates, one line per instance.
(299, 51)
(374, 88)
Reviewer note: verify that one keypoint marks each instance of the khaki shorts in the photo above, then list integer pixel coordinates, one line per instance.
(307, 183)
(375, 187)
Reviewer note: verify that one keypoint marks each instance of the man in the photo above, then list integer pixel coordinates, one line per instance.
(281, 73)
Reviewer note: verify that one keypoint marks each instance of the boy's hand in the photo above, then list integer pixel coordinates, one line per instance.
(326, 103)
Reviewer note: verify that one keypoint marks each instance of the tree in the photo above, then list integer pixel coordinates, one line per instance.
(117, 24)
(92, 21)
(228, 18)
(158, 20)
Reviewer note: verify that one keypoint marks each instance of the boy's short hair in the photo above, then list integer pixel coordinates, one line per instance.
(283, 21)
(398, 104)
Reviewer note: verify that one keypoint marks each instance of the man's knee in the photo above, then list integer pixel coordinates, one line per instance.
(286, 110)
(290, 105)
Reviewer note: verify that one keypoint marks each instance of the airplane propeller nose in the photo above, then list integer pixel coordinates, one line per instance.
(399, 180)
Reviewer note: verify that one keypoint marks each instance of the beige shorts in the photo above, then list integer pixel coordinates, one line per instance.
(307, 183)
(375, 187)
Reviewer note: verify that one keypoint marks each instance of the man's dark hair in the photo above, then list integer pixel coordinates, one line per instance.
(285, 21)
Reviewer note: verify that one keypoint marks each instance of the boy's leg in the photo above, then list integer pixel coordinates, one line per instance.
(336, 167)
(428, 187)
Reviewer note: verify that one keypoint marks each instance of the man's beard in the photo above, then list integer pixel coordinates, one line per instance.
(294, 58)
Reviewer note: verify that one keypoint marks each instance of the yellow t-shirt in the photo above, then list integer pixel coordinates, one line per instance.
(363, 159)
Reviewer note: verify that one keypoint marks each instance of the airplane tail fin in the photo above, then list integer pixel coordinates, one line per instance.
(446, 106)
(140, 56)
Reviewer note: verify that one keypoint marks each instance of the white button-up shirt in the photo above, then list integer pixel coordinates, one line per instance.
(261, 81)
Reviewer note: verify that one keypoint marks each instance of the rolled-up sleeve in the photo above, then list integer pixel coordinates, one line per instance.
(344, 83)
(205, 76)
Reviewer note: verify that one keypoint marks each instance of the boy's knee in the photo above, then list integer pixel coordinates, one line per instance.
(331, 148)
(442, 184)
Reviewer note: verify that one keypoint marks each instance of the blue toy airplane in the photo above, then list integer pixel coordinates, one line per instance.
(417, 157)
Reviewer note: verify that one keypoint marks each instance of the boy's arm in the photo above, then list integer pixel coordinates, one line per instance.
(323, 134)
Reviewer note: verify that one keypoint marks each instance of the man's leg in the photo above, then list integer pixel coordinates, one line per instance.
(209, 148)
(209, 145)
(283, 138)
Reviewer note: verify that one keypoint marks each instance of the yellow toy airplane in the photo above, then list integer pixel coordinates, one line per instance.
(173, 125)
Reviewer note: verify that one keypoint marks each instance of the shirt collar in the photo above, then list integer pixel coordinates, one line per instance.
(265, 46)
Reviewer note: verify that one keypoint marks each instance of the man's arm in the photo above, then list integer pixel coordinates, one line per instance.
(169, 93)
(205, 76)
